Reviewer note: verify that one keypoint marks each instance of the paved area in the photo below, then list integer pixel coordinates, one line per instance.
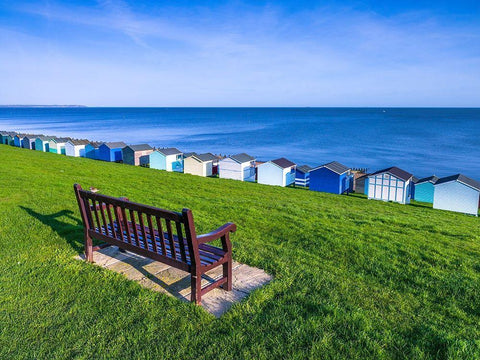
(163, 278)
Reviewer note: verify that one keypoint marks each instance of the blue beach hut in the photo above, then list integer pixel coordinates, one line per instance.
(457, 193)
(302, 176)
(91, 150)
(9, 139)
(111, 151)
(424, 189)
(42, 143)
(169, 159)
(17, 140)
(6, 137)
(334, 178)
(391, 184)
(28, 142)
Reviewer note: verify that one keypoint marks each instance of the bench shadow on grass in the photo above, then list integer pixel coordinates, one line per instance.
(72, 233)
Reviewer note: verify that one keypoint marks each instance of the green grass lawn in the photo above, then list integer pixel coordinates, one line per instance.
(354, 278)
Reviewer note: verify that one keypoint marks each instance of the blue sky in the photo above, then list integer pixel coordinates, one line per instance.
(240, 53)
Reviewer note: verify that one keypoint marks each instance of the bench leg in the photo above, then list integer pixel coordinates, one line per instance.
(227, 272)
(88, 249)
(196, 295)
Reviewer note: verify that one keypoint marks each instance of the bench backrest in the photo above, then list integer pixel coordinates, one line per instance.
(140, 226)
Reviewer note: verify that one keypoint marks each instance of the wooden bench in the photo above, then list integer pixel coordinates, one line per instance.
(161, 235)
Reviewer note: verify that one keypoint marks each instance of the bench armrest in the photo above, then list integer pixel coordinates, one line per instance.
(222, 231)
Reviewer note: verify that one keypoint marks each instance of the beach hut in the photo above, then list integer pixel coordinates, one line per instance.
(111, 151)
(169, 159)
(457, 193)
(7, 137)
(279, 172)
(10, 139)
(57, 145)
(424, 189)
(91, 150)
(359, 184)
(198, 164)
(42, 143)
(131, 154)
(75, 147)
(302, 176)
(17, 140)
(28, 142)
(237, 167)
(334, 178)
(391, 184)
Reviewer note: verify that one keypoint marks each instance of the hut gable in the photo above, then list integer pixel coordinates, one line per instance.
(278, 172)
(333, 177)
(42, 143)
(390, 184)
(237, 167)
(457, 193)
(198, 164)
(302, 176)
(132, 153)
(111, 151)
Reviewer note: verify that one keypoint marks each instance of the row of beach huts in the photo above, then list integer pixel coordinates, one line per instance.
(455, 193)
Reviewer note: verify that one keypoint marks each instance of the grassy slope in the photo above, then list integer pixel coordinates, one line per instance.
(353, 278)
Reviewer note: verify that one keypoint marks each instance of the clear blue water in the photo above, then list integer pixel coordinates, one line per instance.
(423, 141)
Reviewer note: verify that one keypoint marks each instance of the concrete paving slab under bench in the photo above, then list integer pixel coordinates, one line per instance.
(168, 280)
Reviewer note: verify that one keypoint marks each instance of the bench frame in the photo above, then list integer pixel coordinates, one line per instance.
(105, 219)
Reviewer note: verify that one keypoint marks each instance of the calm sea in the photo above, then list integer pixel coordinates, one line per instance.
(423, 141)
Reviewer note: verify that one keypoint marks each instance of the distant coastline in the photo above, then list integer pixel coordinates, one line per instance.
(43, 106)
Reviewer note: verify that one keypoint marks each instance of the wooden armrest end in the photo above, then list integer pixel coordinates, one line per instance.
(217, 234)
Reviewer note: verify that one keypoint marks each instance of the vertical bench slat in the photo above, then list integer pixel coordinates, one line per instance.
(119, 218)
(161, 235)
(110, 220)
(134, 226)
(170, 238)
(127, 226)
(152, 233)
(94, 205)
(180, 241)
(142, 228)
(104, 220)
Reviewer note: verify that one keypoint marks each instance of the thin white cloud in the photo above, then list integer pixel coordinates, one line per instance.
(243, 56)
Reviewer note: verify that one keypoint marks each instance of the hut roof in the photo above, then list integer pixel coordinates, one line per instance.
(205, 157)
(334, 166)
(140, 147)
(304, 168)
(115, 144)
(43, 138)
(461, 178)
(169, 151)
(79, 142)
(395, 171)
(433, 179)
(283, 163)
(95, 144)
(61, 140)
(242, 158)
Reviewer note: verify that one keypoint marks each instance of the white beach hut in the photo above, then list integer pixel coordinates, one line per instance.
(457, 193)
(198, 164)
(75, 147)
(237, 167)
(391, 184)
(279, 172)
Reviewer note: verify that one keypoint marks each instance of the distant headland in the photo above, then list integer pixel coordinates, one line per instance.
(43, 106)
